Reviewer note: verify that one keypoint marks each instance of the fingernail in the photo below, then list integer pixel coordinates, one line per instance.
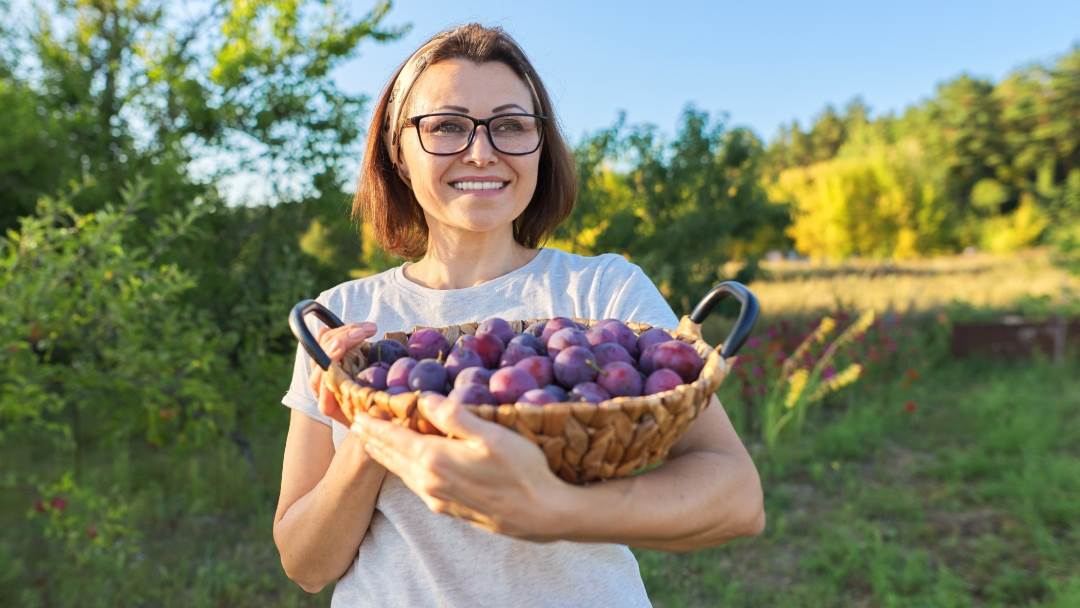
(368, 326)
(356, 334)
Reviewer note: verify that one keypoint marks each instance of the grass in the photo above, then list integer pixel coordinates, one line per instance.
(1028, 282)
(967, 501)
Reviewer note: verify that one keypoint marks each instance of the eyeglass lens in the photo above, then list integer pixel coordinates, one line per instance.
(450, 134)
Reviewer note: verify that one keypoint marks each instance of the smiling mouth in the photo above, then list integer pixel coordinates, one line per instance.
(479, 186)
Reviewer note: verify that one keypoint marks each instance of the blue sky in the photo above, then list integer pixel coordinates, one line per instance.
(762, 63)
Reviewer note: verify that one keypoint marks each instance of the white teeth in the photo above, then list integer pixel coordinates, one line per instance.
(478, 185)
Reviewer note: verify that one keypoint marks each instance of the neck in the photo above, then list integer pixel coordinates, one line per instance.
(456, 260)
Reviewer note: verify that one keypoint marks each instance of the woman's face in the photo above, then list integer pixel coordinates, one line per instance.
(479, 90)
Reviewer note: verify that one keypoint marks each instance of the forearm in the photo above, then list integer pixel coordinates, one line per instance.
(318, 535)
(699, 499)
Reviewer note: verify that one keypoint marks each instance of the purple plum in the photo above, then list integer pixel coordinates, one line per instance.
(472, 393)
(589, 391)
(574, 365)
(679, 357)
(500, 328)
(428, 343)
(509, 383)
(620, 379)
(651, 336)
(539, 367)
(473, 375)
(564, 338)
(661, 380)
(428, 375)
(609, 352)
(515, 353)
(537, 396)
(398, 375)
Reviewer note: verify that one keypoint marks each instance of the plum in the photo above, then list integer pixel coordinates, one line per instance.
(536, 329)
(623, 335)
(490, 349)
(620, 379)
(428, 343)
(373, 376)
(509, 383)
(461, 358)
(500, 328)
(398, 375)
(553, 325)
(529, 340)
(598, 335)
(515, 353)
(679, 357)
(397, 389)
(564, 338)
(654, 335)
(589, 391)
(428, 375)
(539, 367)
(472, 393)
(388, 351)
(661, 380)
(537, 396)
(473, 375)
(558, 391)
(574, 365)
(609, 352)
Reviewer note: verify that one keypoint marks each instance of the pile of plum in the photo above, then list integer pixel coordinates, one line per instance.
(552, 361)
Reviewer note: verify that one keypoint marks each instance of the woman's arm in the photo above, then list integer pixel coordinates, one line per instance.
(707, 493)
(326, 502)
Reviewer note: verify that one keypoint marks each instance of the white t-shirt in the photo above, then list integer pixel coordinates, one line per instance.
(413, 557)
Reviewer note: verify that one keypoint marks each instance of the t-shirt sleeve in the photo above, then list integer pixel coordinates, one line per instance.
(299, 395)
(636, 298)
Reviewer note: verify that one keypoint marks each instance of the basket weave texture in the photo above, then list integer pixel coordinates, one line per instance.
(582, 441)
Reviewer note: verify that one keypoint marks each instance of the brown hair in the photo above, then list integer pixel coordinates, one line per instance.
(387, 202)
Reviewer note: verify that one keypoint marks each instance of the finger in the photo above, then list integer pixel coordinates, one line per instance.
(391, 458)
(453, 418)
(329, 406)
(390, 436)
(340, 339)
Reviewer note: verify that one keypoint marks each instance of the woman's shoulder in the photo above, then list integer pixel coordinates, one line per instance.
(604, 263)
(360, 288)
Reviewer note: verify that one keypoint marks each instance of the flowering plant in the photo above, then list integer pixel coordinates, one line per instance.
(803, 381)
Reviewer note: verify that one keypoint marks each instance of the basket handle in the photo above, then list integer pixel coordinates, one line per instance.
(303, 334)
(748, 313)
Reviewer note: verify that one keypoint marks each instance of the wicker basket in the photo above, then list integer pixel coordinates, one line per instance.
(582, 441)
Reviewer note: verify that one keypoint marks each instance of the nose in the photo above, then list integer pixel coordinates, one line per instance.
(480, 152)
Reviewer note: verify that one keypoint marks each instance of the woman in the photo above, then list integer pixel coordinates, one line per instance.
(402, 519)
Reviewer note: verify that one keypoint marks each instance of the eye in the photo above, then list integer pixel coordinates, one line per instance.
(448, 126)
(510, 125)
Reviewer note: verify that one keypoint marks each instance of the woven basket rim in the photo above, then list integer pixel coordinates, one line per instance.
(687, 331)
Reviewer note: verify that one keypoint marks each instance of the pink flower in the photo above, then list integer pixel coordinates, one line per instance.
(58, 503)
(753, 342)
(828, 373)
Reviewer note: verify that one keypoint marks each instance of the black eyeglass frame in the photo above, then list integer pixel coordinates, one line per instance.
(414, 121)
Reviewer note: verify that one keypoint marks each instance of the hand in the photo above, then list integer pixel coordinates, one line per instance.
(336, 342)
(485, 474)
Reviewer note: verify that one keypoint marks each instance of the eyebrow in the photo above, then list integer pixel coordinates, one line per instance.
(466, 110)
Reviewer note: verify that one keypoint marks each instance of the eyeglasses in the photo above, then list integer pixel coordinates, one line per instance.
(448, 133)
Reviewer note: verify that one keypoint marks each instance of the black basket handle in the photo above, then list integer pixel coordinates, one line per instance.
(303, 334)
(748, 313)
